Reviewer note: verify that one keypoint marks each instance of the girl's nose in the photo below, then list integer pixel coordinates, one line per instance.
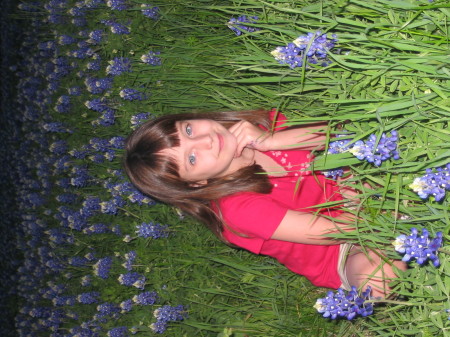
(204, 141)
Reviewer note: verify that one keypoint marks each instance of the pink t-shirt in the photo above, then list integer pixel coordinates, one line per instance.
(256, 217)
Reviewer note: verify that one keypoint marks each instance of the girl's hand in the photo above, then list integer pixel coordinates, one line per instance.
(251, 136)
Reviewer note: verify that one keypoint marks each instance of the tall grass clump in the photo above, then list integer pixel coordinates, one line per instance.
(97, 258)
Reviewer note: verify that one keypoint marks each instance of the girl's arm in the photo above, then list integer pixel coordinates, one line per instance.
(309, 137)
(307, 228)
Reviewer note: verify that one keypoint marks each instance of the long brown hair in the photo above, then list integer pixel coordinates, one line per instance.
(157, 175)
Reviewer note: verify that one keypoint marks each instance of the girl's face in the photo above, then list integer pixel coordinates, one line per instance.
(207, 150)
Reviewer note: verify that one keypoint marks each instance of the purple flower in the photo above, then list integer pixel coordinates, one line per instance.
(434, 182)
(94, 65)
(419, 247)
(98, 104)
(145, 298)
(59, 147)
(118, 332)
(130, 94)
(314, 45)
(119, 29)
(374, 152)
(151, 58)
(117, 5)
(98, 85)
(150, 12)
(126, 306)
(98, 228)
(129, 260)
(152, 230)
(342, 304)
(95, 37)
(66, 40)
(237, 25)
(118, 66)
(167, 314)
(88, 298)
(138, 119)
(102, 267)
(132, 279)
(57, 127)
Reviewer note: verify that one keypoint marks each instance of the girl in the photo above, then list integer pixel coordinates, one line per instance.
(253, 189)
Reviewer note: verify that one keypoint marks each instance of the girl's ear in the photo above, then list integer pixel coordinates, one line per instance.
(199, 183)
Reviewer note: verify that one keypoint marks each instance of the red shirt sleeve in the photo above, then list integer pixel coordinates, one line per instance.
(252, 214)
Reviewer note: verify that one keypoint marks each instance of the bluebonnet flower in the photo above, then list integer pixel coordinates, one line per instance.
(97, 104)
(97, 158)
(131, 94)
(132, 279)
(126, 306)
(118, 5)
(81, 53)
(88, 298)
(90, 205)
(98, 228)
(117, 142)
(66, 39)
(151, 58)
(433, 183)
(111, 206)
(167, 314)
(107, 309)
(150, 11)
(237, 25)
(94, 65)
(93, 3)
(315, 45)
(377, 153)
(121, 331)
(335, 147)
(78, 261)
(98, 85)
(152, 230)
(342, 304)
(118, 66)
(289, 54)
(106, 119)
(57, 127)
(77, 11)
(139, 119)
(419, 247)
(129, 260)
(64, 300)
(103, 267)
(66, 198)
(137, 197)
(59, 147)
(145, 298)
(95, 37)
(116, 27)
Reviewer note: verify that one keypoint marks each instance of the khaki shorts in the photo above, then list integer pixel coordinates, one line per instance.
(343, 253)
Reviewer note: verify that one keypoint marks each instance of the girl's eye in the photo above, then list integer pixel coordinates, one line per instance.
(189, 129)
(192, 159)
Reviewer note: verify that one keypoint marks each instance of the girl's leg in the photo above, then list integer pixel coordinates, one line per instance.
(368, 267)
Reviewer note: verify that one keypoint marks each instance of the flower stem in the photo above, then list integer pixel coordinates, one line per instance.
(445, 251)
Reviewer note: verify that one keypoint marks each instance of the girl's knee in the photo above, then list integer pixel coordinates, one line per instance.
(371, 267)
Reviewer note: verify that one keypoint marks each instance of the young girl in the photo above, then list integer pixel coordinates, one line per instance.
(253, 189)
